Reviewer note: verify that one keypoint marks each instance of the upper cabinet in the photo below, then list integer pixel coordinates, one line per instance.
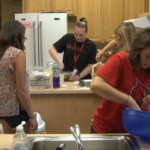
(134, 7)
(102, 15)
(37, 6)
(91, 10)
(112, 15)
(69, 6)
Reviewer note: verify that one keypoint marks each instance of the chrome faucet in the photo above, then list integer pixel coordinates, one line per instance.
(76, 133)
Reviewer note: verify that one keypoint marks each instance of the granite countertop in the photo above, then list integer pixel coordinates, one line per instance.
(66, 88)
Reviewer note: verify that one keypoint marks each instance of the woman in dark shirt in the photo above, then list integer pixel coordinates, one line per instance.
(79, 52)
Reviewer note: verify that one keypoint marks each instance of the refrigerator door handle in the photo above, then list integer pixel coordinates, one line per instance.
(34, 43)
(41, 44)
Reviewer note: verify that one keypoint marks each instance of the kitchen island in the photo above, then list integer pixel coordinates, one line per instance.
(64, 107)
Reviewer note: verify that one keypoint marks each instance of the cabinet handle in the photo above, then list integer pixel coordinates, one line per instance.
(34, 43)
(41, 44)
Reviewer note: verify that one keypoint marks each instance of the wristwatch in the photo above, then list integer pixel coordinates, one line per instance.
(80, 77)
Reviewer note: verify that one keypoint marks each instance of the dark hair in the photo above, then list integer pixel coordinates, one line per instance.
(140, 42)
(82, 24)
(11, 34)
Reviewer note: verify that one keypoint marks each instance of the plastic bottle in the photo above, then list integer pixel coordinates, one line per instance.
(20, 140)
(50, 70)
(56, 74)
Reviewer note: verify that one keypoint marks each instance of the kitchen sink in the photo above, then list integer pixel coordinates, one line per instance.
(91, 142)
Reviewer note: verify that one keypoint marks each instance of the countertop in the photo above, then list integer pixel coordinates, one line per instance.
(6, 140)
(66, 88)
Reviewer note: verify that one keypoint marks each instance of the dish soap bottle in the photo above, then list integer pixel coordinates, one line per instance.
(20, 140)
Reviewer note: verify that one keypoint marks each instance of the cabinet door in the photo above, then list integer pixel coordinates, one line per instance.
(134, 7)
(69, 6)
(112, 15)
(91, 10)
(37, 6)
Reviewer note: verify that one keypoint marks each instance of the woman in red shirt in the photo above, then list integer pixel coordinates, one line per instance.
(123, 82)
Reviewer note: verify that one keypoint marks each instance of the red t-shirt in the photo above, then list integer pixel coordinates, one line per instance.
(118, 72)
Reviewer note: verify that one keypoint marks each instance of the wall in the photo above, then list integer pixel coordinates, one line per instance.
(8, 9)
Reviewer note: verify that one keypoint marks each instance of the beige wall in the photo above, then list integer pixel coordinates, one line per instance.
(8, 9)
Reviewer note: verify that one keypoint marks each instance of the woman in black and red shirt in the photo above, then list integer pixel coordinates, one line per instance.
(79, 52)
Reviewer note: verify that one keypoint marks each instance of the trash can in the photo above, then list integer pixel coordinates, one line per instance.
(41, 124)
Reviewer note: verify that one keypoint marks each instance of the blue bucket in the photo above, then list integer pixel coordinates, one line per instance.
(137, 122)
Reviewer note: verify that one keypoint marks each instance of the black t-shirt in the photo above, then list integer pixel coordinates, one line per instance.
(87, 56)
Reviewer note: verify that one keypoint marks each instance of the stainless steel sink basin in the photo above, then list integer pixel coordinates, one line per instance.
(92, 142)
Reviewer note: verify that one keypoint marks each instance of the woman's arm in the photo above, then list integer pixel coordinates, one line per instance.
(100, 87)
(85, 72)
(108, 47)
(19, 65)
(54, 54)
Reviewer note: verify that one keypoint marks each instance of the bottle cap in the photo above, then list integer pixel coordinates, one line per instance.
(19, 128)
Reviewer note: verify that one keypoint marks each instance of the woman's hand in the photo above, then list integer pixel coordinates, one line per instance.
(33, 124)
(148, 108)
(74, 78)
(99, 56)
(132, 104)
(61, 66)
(99, 66)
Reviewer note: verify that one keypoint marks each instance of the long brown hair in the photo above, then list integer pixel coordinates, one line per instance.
(140, 42)
(11, 34)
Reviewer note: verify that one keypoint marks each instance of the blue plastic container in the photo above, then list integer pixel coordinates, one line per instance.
(137, 122)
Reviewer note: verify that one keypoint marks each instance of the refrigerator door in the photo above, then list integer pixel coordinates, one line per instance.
(30, 21)
(52, 27)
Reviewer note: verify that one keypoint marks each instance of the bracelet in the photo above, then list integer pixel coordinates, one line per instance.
(80, 77)
(33, 117)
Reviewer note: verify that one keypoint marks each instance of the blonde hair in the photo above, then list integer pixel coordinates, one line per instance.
(82, 24)
(127, 31)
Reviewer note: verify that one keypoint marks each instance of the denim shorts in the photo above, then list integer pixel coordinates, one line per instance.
(14, 121)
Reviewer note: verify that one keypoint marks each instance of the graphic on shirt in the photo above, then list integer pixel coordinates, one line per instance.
(141, 94)
(75, 48)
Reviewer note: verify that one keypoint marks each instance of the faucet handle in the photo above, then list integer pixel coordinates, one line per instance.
(77, 130)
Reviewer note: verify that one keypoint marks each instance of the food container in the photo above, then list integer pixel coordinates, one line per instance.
(85, 83)
(137, 122)
(67, 75)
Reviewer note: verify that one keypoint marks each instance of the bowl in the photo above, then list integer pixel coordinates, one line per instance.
(137, 122)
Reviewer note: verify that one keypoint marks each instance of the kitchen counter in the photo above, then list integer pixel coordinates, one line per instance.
(63, 107)
(66, 88)
(7, 139)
